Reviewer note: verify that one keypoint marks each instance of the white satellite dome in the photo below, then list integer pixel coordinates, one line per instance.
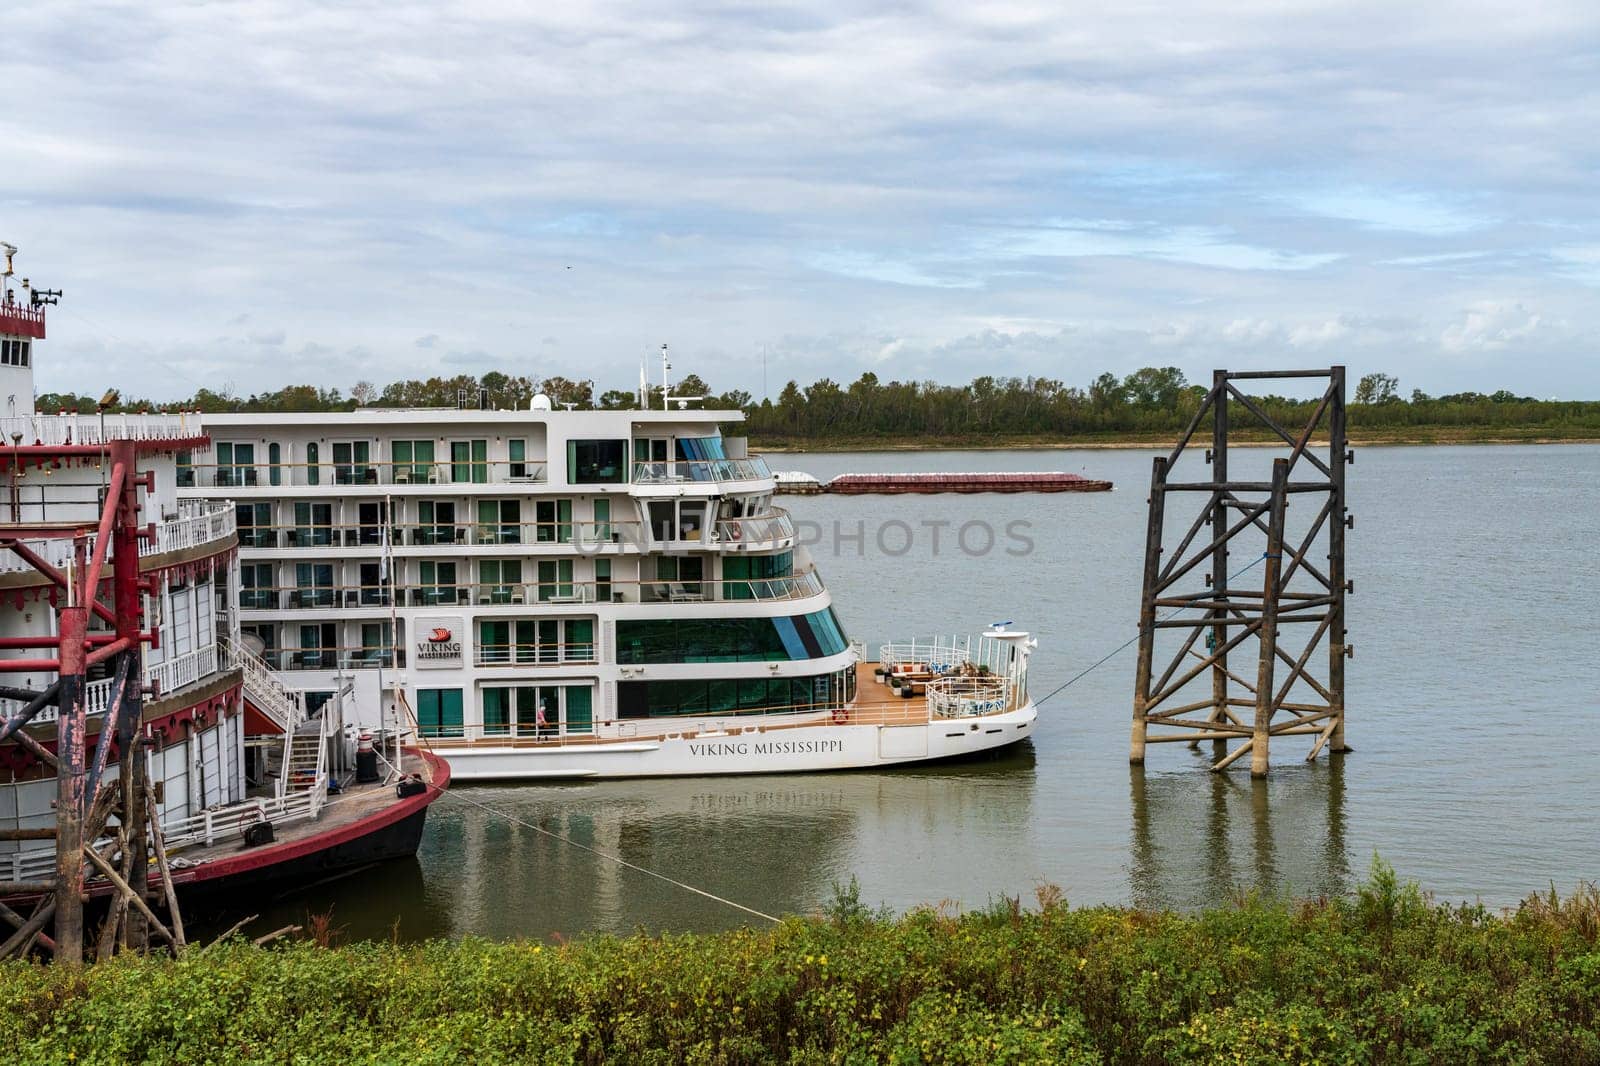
(540, 402)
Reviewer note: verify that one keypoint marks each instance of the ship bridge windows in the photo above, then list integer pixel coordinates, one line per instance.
(711, 640)
(15, 352)
(598, 461)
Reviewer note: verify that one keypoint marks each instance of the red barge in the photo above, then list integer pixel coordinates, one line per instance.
(978, 481)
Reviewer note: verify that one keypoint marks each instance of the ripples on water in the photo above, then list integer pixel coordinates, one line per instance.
(1472, 708)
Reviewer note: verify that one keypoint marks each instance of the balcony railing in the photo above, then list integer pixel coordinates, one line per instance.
(65, 429)
(174, 674)
(534, 654)
(268, 475)
(343, 656)
(691, 470)
(584, 535)
(198, 524)
(493, 594)
(774, 527)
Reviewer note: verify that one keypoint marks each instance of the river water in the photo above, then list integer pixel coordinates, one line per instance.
(1472, 698)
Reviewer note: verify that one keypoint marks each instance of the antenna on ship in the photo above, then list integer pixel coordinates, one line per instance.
(666, 387)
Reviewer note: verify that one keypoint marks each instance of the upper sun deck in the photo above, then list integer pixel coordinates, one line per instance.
(463, 451)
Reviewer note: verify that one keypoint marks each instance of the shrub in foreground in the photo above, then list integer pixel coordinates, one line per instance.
(1385, 977)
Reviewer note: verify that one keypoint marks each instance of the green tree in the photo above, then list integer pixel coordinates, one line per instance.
(1377, 388)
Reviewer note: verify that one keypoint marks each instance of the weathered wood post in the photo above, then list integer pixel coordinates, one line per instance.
(70, 774)
(1338, 521)
(1267, 634)
(1219, 558)
(1147, 609)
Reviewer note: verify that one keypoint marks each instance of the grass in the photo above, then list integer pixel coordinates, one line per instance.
(1387, 976)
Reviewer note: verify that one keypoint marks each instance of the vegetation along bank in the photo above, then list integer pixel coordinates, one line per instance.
(1386, 976)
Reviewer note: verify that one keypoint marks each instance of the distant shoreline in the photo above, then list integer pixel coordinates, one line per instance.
(1102, 444)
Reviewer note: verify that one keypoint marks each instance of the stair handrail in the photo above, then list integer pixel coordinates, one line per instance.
(264, 687)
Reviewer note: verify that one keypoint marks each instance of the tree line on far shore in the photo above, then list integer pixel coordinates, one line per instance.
(1151, 400)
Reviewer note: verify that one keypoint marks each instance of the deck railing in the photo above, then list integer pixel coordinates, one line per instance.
(774, 527)
(196, 525)
(65, 429)
(706, 470)
(520, 592)
(294, 475)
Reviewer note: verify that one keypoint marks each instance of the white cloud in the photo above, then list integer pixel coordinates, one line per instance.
(1202, 182)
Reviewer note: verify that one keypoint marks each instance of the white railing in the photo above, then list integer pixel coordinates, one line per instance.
(59, 429)
(934, 656)
(197, 524)
(185, 669)
(709, 470)
(969, 695)
(271, 697)
(763, 530)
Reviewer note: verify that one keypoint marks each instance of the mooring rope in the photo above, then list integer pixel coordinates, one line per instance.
(1134, 639)
(619, 860)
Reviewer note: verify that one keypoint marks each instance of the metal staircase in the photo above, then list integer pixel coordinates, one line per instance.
(278, 704)
(305, 762)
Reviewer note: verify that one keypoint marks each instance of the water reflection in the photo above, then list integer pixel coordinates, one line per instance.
(1202, 838)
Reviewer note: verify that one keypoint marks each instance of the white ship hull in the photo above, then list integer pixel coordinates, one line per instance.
(735, 747)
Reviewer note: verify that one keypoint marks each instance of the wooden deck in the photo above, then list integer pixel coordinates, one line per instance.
(339, 817)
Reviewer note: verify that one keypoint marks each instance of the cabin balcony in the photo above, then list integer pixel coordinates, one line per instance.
(700, 471)
(766, 532)
(553, 592)
(339, 475)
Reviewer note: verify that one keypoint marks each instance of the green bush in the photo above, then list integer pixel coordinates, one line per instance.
(1387, 976)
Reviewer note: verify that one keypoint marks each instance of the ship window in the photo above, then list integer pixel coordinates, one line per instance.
(726, 696)
(537, 710)
(597, 462)
(555, 579)
(500, 521)
(413, 461)
(26, 346)
(517, 453)
(729, 639)
(352, 462)
(469, 462)
(500, 580)
(553, 521)
(496, 712)
(439, 712)
(256, 586)
(438, 583)
(313, 524)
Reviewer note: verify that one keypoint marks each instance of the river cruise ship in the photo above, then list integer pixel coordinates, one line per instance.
(575, 593)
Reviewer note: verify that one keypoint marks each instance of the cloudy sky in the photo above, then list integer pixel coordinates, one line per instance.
(284, 192)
